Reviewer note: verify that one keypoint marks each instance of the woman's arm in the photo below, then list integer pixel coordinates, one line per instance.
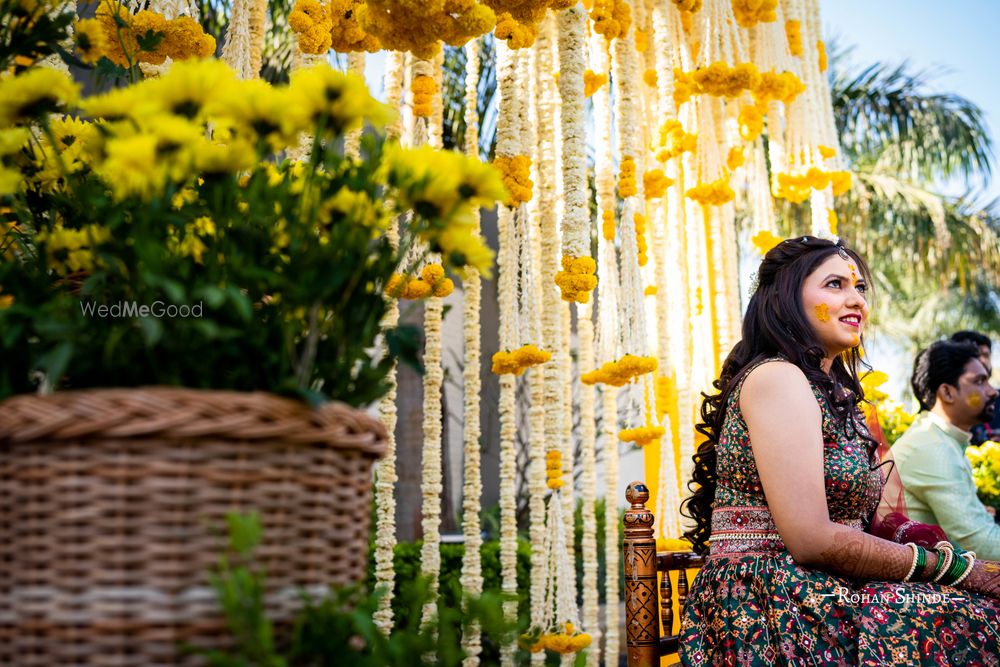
(785, 424)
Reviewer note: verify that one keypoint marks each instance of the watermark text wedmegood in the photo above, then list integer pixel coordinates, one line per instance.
(128, 309)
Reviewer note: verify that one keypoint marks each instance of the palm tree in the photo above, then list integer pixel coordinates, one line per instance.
(938, 266)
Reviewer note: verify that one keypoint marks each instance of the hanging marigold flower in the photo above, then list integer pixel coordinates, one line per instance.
(793, 31)
(518, 35)
(515, 170)
(821, 47)
(310, 20)
(749, 13)
(655, 183)
(592, 82)
(688, 5)
(764, 240)
(347, 34)
(780, 87)
(649, 78)
(674, 141)
(612, 18)
(643, 435)
(751, 120)
(553, 469)
(735, 158)
(641, 40)
(424, 89)
(826, 152)
(608, 224)
(517, 361)
(621, 372)
(715, 193)
(627, 186)
(650, 291)
(577, 278)
(640, 238)
(831, 219)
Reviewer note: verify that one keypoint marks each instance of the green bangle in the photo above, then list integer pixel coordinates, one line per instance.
(937, 566)
(957, 569)
(921, 562)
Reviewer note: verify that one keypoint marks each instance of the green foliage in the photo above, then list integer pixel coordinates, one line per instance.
(29, 32)
(339, 628)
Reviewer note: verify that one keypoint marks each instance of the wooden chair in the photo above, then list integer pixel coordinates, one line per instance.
(648, 639)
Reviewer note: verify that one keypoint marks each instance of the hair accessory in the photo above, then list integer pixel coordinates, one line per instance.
(843, 253)
(754, 282)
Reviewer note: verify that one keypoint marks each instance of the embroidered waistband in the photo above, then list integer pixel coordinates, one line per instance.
(750, 529)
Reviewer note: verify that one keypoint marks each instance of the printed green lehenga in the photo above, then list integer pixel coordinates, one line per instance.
(752, 604)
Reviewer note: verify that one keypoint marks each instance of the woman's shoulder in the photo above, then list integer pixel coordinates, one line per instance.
(773, 380)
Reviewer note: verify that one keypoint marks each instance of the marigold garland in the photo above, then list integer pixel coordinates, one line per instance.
(715, 193)
(643, 435)
(823, 62)
(674, 141)
(346, 33)
(312, 23)
(420, 27)
(592, 82)
(793, 30)
(517, 361)
(515, 170)
(577, 279)
(626, 178)
(655, 183)
(749, 13)
(621, 372)
(612, 18)
(640, 238)
(751, 122)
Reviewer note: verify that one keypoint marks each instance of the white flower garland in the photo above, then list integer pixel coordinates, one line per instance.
(237, 50)
(472, 490)
(609, 436)
(352, 140)
(428, 130)
(572, 53)
(588, 438)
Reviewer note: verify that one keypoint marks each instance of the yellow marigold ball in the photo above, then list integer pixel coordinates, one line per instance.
(432, 273)
(692, 6)
(396, 286)
(749, 13)
(612, 18)
(515, 172)
(592, 82)
(530, 355)
(655, 183)
(627, 186)
(347, 34)
(840, 182)
(641, 40)
(518, 35)
(715, 193)
(505, 364)
(608, 225)
(310, 20)
(793, 31)
(684, 87)
(417, 289)
(577, 278)
(735, 158)
(642, 436)
(751, 121)
(650, 291)
(826, 152)
(649, 77)
(821, 48)
(185, 39)
(780, 87)
(674, 140)
(443, 288)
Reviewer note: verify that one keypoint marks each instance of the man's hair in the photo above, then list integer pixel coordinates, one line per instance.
(971, 337)
(941, 363)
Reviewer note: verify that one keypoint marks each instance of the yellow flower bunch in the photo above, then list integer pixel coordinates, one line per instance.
(347, 34)
(735, 158)
(763, 241)
(641, 40)
(892, 417)
(985, 461)
(674, 141)
(336, 100)
(749, 13)
(424, 89)
(621, 372)
(431, 282)
(751, 122)
(311, 22)
(650, 78)
(780, 87)
(553, 470)
(627, 186)
(642, 436)
(72, 250)
(517, 361)
(823, 62)
(561, 641)
(715, 193)
(89, 40)
(420, 27)
(611, 18)
(70, 146)
(608, 224)
(640, 238)
(592, 82)
(691, 6)
(793, 31)
(577, 278)
(796, 188)
(126, 35)
(515, 171)
(518, 35)
(36, 90)
(721, 80)
(655, 183)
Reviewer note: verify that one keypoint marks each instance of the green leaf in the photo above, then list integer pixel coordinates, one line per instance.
(211, 295)
(54, 363)
(244, 531)
(150, 40)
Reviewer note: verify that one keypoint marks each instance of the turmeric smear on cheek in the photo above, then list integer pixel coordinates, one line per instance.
(822, 312)
(974, 401)
(855, 340)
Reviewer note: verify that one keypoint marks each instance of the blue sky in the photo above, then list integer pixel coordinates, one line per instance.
(958, 39)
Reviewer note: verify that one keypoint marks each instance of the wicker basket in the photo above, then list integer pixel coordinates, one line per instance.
(112, 505)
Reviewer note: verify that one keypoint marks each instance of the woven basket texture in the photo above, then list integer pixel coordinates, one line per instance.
(112, 506)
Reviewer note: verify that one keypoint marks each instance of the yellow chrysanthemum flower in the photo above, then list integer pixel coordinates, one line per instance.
(33, 93)
(335, 101)
(89, 40)
(190, 87)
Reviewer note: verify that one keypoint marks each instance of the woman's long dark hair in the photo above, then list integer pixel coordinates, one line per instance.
(774, 325)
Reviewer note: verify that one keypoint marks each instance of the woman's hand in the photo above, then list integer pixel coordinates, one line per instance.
(985, 578)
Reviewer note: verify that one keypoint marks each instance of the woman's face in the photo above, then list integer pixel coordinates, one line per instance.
(833, 297)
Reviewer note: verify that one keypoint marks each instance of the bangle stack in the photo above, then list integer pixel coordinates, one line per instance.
(953, 565)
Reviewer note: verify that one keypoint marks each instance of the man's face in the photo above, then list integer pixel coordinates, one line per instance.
(976, 399)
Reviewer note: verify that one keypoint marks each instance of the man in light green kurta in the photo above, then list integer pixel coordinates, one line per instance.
(952, 386)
